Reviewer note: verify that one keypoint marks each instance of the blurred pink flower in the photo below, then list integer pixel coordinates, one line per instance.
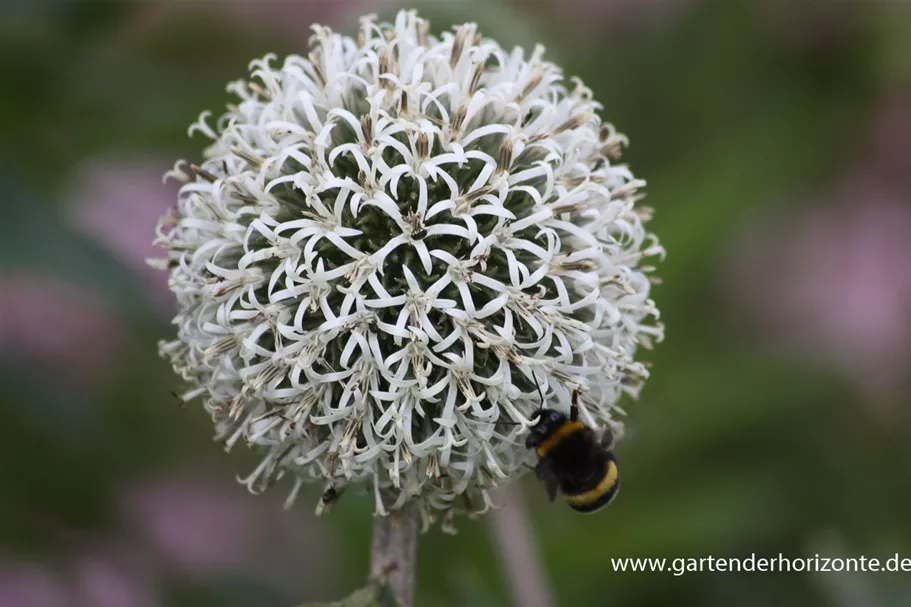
(198, 528)
(113, 579)
(206, 530)
(118, 203)
(65, 329)
(31, 585)
(835, 281)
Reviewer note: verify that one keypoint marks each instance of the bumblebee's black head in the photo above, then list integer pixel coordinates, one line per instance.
(548, 422)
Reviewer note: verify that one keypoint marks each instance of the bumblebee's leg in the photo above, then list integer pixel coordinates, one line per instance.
(540, 393)
(574, 407)
(548, 478)
(607, 438)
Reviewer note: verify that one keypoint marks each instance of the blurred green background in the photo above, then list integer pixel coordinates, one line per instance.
(776, 140)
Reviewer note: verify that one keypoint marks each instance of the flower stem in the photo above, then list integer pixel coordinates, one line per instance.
(393, 553)
(513, 534)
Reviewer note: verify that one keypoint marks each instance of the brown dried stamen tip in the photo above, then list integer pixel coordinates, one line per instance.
(247, 157)
(527, 118)
(505, 156)
(628, 380)
(386, 66)
(245, 198)
(573, 181)
(613, 150)
(476, 77)
(367, 127)
(203, 173)
(472, 196)
(422, 148)
(582, 265)
(458, 44)
(532, 84)
(315, 62)
(403, 103)
(458, 119)
(573, 122)
(645, 213)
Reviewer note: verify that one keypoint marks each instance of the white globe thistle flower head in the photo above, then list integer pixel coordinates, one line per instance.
(389, 246)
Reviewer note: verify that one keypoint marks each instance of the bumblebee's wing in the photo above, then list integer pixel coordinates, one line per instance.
(548, 477)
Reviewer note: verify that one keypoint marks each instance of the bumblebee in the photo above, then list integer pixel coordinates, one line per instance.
(574, 459)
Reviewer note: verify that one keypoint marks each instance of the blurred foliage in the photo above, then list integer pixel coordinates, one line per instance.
(735, 449)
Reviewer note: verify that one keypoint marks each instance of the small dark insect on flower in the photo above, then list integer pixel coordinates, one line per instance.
(328, 499)
(418, 230)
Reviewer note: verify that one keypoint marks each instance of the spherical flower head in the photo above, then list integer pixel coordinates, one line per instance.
(393, 251)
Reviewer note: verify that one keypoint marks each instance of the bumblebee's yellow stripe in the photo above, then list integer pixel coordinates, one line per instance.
(562, 432)
(583, 499)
